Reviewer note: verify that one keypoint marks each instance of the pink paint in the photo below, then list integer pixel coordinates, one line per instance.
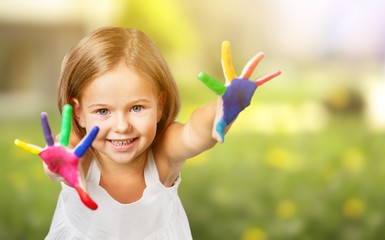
(59, 160)
(62, 161)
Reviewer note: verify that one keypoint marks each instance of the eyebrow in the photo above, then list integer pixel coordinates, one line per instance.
(135, 102)
(97, 105)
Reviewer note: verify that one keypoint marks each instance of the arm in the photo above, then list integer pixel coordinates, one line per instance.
(209, 123)
(183, 141)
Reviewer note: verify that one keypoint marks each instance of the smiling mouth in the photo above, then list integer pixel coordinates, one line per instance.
(121, 143)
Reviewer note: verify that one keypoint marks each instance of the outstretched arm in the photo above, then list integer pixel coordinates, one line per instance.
(209, 123)
(235, 96)
(236, 93)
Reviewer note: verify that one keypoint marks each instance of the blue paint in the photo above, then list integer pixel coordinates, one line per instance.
(236, 98)
(82, 147)
(220, 128)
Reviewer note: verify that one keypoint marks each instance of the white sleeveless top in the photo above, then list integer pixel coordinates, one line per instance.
(158, 215)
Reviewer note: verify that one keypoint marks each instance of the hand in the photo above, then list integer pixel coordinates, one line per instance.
(59, 159)
(236, 93)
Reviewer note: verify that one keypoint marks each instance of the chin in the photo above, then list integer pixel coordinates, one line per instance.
(122, 157)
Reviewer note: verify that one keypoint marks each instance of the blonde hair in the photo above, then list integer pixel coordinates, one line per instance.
(102, 50)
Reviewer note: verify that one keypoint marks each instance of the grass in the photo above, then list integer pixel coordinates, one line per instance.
(320, 185)
(28, 198)
(303, 186)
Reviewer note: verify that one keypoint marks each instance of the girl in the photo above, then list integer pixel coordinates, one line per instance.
(116, 79)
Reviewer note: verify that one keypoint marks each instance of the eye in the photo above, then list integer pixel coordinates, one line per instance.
(103, 111)
(137, 108)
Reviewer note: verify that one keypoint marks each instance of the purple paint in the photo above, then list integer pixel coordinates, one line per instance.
(236, 98)
(46, 129)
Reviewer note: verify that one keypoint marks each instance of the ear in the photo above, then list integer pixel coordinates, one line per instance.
(161, 102)
(78, 112)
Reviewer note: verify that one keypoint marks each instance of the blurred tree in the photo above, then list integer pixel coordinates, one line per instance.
(164, 21)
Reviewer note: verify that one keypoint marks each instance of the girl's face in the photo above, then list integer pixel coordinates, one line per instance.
(125, 106)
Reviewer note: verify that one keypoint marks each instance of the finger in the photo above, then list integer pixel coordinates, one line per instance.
(251, 64)
(218, 134)
(211, 83)
(261, 80)
(82, 147)
(28, 147)
(66, 125)
(82, 190)
(227, 64)
(46, 129)
(86, 199)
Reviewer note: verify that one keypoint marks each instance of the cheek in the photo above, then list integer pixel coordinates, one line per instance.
(147, 125)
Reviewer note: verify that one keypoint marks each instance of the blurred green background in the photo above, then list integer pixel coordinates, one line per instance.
(305, 161)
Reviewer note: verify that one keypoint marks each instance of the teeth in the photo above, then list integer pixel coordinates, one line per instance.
(121, 143)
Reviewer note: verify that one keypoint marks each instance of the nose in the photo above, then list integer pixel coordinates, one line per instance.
(121, 124)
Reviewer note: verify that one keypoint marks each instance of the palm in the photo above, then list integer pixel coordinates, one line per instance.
(236, 93)
(62, 160)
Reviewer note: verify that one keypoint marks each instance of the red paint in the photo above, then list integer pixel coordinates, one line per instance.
(86, 199)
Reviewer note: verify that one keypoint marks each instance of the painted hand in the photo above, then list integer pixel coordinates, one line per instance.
(62, 161)
(236, 93)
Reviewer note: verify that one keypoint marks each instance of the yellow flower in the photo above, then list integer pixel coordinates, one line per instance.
(353, 159)
(286, 209)
(254, 233)
(353, 208)
(282, 159)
